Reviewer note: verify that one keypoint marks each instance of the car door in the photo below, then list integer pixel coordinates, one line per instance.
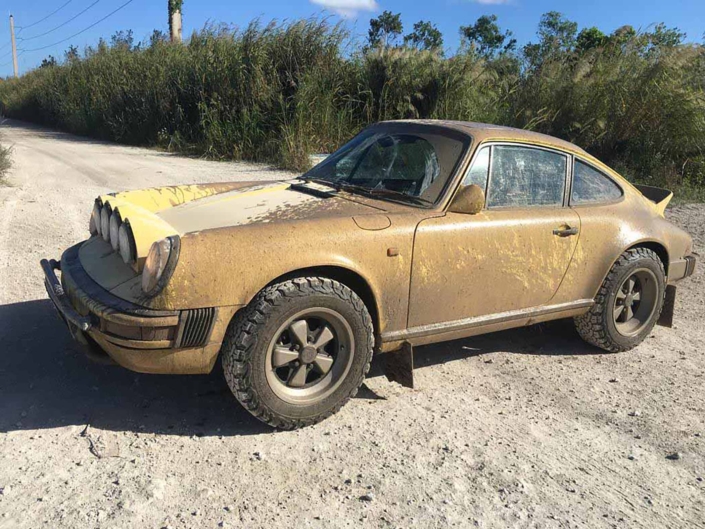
(604, 229)
(511, 256)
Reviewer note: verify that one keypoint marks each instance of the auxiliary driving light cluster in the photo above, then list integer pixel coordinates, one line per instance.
(108, 223)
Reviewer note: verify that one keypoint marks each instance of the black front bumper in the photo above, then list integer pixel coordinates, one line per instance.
(61, 301)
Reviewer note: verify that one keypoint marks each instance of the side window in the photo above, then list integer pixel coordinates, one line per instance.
(590, 186)
(524, 176)
(477, 174)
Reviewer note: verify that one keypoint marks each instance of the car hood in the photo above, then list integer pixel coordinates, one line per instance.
(261, 203)
(156, 213)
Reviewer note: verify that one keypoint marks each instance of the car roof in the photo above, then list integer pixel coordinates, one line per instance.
(482, 132)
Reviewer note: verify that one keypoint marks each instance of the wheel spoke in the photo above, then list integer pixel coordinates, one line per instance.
(630, 285)
(636, 296)
(630, 313)
(298, 378)
(282, 355)
(299, 330)
(324, 337)
(618, 311)
(621, 294)
(323, 363)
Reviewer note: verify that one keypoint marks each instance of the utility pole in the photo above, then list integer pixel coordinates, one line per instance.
(175, 23)
(14, 45)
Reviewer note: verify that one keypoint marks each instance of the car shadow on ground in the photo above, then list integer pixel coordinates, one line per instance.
(47, 382)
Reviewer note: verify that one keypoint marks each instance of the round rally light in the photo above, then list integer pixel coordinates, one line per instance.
(94, 225)
(155, 265)
(128, 248)
(105, 222)
(115, 222)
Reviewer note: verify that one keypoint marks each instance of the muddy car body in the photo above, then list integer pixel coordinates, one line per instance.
(413, 233)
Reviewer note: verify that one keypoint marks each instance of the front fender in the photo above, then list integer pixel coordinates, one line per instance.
(229, 266)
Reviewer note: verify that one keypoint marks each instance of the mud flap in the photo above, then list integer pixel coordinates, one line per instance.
(399, 366)
(666, 319)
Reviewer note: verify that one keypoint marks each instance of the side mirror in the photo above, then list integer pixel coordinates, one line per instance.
(469, 200)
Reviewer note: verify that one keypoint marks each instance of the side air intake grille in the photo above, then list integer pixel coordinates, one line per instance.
(195, 327)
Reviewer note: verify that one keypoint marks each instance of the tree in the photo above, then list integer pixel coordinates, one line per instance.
(590, 38)
(48, 62)
(71, 54)
(486, 38)
(556, 32)
(557, 35)
(122, 40)
(425, 36)
(385, 29)
(665, 37)
(157, 37)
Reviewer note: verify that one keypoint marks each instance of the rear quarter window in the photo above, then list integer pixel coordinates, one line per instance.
(590, 186)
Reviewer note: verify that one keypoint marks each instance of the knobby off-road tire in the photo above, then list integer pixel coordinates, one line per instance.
(270, 331)
(601, 327)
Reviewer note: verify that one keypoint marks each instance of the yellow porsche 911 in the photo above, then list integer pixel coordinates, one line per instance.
(412, 233)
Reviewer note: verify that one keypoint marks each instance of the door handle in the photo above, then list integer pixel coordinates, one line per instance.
(565, 232)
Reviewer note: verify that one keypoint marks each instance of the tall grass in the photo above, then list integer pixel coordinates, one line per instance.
(277, 93)
(5, 163)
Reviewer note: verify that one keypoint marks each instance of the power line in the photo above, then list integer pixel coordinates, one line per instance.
(10, 61)
(60, 25)
(22, 28)
(83, 30)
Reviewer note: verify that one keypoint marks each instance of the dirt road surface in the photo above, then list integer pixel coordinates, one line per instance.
(526, 428)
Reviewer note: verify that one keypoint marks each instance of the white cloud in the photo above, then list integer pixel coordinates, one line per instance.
(493, 2)
(350, 8)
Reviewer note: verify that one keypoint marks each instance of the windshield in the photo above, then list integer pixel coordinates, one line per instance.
(410, 163)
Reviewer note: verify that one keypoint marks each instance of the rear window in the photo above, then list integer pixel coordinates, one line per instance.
(590, 186)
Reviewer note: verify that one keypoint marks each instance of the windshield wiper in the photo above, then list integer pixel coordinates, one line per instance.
(369, 192)
(398, 195)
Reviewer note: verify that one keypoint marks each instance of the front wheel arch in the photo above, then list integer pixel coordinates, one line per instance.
(351, 279)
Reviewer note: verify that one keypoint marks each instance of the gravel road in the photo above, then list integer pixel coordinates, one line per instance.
(525, 428)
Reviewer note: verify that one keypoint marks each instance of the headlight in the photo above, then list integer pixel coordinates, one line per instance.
(128, 248)
(105, 214)
(94, 225)
(115, 222)
(160, 262)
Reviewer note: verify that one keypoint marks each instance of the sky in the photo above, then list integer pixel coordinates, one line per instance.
(50, 26)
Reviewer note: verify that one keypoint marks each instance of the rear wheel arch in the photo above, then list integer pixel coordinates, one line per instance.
(656, 247)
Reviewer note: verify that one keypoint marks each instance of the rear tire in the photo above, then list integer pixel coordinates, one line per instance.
(299, 351)
(628, 304)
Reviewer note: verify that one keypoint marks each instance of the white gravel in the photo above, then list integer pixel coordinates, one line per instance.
(525, 428)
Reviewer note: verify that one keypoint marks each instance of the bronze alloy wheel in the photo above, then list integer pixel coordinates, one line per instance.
(299, 351)
(310, 356)
(628, 303)
(635, 302)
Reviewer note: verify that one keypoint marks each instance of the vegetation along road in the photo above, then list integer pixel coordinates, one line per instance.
(527, 428)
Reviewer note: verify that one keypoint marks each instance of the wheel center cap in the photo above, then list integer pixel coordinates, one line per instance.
(629, 300)
(308, 354)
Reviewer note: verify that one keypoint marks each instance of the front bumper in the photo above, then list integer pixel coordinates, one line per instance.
(140, 339)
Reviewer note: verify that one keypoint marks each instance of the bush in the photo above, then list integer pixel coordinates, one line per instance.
(278, 93)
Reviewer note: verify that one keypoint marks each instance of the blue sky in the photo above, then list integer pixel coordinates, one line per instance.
(142, 16)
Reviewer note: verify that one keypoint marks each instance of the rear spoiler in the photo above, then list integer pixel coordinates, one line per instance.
(660, 197)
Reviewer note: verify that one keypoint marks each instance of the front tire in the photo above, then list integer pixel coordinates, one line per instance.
(299, 351)
(628, 304)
